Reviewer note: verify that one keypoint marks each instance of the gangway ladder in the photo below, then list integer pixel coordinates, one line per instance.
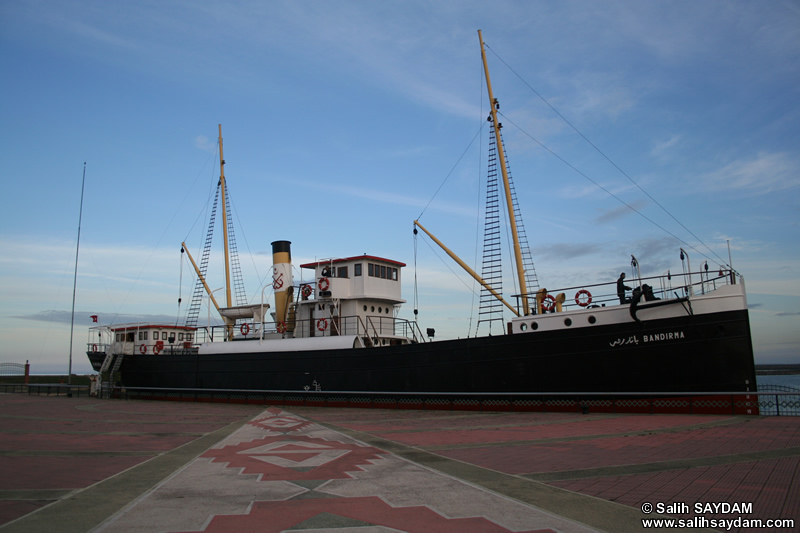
(491, 309)
(114, 361)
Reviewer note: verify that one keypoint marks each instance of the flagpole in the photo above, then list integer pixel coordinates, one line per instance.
(75, 281)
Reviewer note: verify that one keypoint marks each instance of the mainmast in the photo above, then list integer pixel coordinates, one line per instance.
(228, 298)
(506, 185)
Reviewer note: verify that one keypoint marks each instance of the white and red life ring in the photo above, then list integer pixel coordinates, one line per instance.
(244, 328)
(281, 327)
(306, 291)
(94, 348)
(143, 349)
(158, 347)
(587, 301)
(322, 323)
(323, 284)
(548, 303)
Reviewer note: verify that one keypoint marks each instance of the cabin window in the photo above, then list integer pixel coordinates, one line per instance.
(180, 336)
(357, 269)
(163, 335)
(342, 272)
(142, 335)
(371, 269)
(188, 336)
(394, 274)
(383, 272)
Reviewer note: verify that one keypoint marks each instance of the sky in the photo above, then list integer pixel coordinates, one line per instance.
(632, 128)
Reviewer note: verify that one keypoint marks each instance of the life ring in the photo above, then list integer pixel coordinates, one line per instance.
(244, 328)
(581, 293)
(323, 284)
(548, 306)
(158, 347)
(281, 327)
(306, 291)
(94, 348)
(322, 323)
(143, 349)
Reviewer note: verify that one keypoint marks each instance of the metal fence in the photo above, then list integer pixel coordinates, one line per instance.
(12, 369)
(45, 389)
(772, 403)
(772, 400)
(779, 400)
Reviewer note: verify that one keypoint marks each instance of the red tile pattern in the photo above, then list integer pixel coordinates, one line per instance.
(575, 443)
(274, 517)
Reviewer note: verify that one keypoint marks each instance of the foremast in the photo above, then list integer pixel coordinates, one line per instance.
(494, 105)
(224, 222)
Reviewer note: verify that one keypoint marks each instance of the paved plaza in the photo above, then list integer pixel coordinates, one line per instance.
(83, 464)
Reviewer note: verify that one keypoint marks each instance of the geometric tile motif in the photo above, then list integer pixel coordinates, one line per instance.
(282, 516)
(280, 423)
(295, 454)
(298, 457)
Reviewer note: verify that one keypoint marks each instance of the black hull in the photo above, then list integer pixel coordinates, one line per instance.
(701, 353)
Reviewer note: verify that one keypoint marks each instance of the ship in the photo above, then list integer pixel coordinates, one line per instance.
(339, 329)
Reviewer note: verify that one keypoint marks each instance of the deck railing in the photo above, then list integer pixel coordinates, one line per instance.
(373, 327)
(664, 287)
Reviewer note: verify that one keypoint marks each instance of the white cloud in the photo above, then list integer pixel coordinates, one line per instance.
(662, 147)
(763, 174)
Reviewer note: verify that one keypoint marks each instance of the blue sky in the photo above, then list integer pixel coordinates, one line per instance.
(341, 120)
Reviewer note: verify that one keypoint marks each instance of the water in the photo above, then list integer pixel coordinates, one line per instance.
(786, 380)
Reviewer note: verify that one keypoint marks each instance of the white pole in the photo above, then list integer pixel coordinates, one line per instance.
(75, 279)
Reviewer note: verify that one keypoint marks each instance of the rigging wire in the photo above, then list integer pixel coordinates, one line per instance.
(477, 134)
(180, 290)
(617, 198)
(478, 217)
(247, 244)
(607, 158)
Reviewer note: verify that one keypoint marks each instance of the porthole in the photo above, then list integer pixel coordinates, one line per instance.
(387, 310)
(523, 326)
(365, 308)
(372, 309)
(380, 309)
(534, 325)
(592, 319)
(567, 321)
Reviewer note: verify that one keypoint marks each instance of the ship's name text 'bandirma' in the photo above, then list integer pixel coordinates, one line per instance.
(654, 337)
(671, 336)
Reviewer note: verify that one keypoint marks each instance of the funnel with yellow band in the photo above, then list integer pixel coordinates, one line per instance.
(282, 279)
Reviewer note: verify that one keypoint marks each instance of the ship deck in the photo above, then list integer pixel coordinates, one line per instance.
(85, 464)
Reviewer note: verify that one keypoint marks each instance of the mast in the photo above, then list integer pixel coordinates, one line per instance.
(224, 222)
(507, 187)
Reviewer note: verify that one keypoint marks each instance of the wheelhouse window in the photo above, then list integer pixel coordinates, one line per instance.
(382, 271)
(341, 272)
(357, 269)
